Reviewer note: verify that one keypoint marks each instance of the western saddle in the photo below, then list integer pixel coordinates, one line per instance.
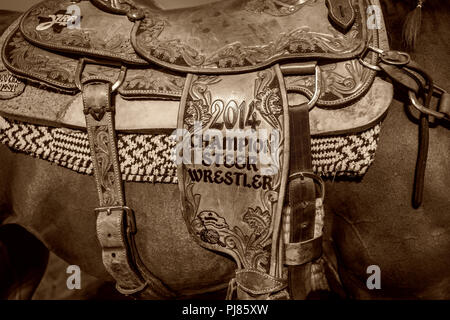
(246, 84)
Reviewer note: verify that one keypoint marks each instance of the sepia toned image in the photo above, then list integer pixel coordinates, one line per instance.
(224, 150)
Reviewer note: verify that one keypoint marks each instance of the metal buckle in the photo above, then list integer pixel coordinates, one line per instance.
(131, 222)
(317, 85)
(82, 63)
(315, 177)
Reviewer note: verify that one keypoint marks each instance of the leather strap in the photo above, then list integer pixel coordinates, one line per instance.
(401, 76)
(253, 284)
(302, 197)
(341, 13)
(115, 221)
(421, 163)
(417, 80)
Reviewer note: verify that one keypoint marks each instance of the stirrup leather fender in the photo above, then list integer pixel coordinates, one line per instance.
(232, 192)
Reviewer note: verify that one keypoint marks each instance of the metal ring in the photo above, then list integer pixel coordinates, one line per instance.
(120, 78)
(128, 292)
(385, 58)
(82, 63)
(365, 63)
(293, 69)
(317, 88)
(368, 65)
(315, 177)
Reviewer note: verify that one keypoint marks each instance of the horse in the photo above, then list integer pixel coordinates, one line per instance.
(370, 221)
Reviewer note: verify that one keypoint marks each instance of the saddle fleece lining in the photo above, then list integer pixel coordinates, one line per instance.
(148, 157)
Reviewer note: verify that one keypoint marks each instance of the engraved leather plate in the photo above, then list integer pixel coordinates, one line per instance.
(235, 35)
(43, 66)
(97, 34)
(235, 208)
(341, 13)
(56, 70)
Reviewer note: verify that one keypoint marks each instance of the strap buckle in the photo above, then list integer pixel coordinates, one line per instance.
(131, 221)
(315, 177)
(82, 63)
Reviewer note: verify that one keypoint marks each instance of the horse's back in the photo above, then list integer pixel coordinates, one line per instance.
(374, 222)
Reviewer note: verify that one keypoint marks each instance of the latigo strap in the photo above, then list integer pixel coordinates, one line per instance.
(115, 222)
(302, 198)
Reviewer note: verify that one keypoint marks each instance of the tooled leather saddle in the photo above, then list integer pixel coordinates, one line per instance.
(245, 84)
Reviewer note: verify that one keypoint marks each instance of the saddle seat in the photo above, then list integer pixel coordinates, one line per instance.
(288, 69)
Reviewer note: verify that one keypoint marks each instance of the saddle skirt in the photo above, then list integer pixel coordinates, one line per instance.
(244, 83)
